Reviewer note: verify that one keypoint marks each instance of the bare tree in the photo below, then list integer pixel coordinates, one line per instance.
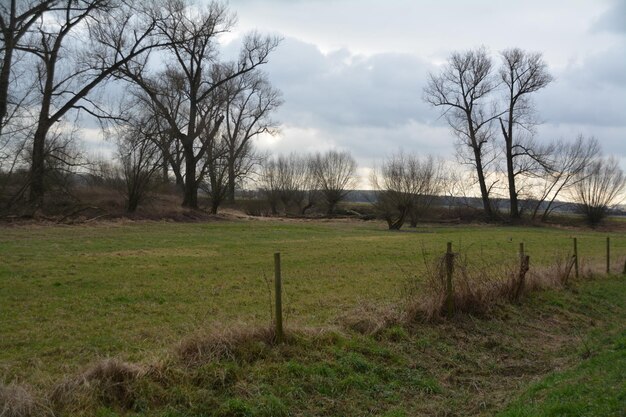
(172, 99)
(406, 186)
(565, 162)
(462, 91)
(271, 183)
(215, 171)
(118, 34)
(599, 187)
(305, 194)
(194, 73)
(335, 177)
(140, 160)
(250, 101)
(288, 182)
(429, 183)
(16, 20)
(522, 73)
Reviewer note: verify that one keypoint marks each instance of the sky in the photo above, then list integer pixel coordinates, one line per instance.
(352, 72)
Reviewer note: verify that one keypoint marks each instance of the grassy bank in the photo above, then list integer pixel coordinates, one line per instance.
(467, 367)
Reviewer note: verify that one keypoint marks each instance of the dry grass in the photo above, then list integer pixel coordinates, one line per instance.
(370, 319)
(19, 401)
(229, 342)
(479, 286)
(108, 382)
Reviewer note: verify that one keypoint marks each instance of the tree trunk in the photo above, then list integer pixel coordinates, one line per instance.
(508, 138)
(399, 222)
(483, 185)
(306, 207)
(190, 186)
(215, 204)
(165, 171)
(230, 192)
(37, 166)
(413, 218)
(4, 81)
(331, 208)
(180, 182)
(514, 209)
(132, 204)
(190, 197)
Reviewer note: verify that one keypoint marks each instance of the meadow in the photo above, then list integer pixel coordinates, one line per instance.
(71, 295)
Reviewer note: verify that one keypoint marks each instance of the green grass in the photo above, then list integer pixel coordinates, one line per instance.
(596, 385)
(466, 367)
(72, 294)
(595, 388)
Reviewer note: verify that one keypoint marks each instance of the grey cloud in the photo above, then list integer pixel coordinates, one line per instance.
(339, 88)
(592, 93)
(371, 103)
(613, 19)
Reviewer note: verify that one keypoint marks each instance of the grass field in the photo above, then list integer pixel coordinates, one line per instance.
(70, 295)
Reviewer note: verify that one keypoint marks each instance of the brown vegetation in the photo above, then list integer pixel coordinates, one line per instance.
(478, 287)
(370, 319)
(108, 382)
(227, 343)
(18, 401)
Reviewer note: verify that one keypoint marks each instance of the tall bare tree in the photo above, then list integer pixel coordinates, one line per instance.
(118, 32)
(335, 177)
(462, 90)
(250, 101)
(195, 74)
(600, 186)
(522, 73)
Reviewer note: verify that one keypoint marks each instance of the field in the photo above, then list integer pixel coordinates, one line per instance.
(72, 295)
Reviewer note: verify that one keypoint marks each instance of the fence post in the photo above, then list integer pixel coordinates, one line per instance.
(524, 266)
(279, 298)
(449, 270)
(576, 257)
(608, 255)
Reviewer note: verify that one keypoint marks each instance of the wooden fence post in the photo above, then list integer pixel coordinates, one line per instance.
(524, 266)
(576, 257)
(449, 270)
(524, 262)
(279, 298)
(608, 255)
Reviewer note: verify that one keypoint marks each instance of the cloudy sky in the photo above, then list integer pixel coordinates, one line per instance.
(352, 71)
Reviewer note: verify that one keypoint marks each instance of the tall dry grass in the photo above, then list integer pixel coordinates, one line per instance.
(109, 382)
(479, 285)
(18, 400)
